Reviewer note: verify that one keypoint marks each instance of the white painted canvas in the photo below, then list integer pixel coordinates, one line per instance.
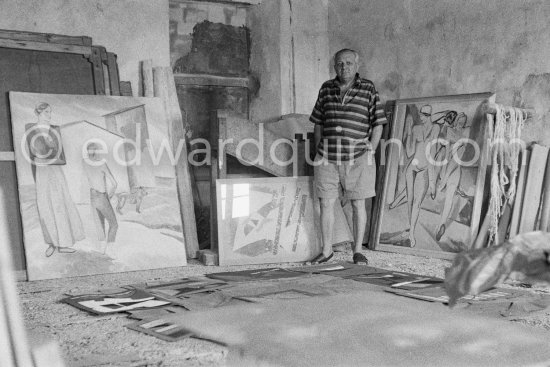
(271, 220)
(97, 185)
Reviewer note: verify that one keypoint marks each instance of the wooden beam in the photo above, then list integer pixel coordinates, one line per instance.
(42, 46)
(214, 175)
(45, 38)
(114, 80)
(147, 78)
(520, 190)
(7, 156)
(210, 80)
(126, 88)
(491, 108)
(165, 88)
(545, 209)
(97, 67)
(15, 325)
(533, 188)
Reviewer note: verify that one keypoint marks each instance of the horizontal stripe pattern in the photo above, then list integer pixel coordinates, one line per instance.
(347, 125)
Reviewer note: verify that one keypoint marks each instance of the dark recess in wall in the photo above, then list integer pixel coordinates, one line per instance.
(217, 49)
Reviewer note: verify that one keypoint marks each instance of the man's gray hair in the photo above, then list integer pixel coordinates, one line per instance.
(338, 53)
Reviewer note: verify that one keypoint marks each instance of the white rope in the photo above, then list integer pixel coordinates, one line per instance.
(506, 147)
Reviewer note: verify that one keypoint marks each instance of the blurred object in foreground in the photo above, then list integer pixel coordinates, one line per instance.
(476, 271)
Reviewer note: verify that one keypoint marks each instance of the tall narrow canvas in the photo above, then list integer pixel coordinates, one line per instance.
(97, 184)
(436, 161)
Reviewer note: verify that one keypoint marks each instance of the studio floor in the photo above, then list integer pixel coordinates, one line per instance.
(87, 340)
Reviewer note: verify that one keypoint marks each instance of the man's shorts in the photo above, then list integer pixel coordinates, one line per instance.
(357, 180)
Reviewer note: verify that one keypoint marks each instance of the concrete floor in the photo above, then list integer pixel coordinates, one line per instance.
(87, 340)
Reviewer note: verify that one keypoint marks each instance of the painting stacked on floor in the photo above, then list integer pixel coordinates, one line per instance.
(435, 170)
(97, 185)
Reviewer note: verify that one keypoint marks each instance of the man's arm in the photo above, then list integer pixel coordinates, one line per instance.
(317, 134)
(376, 134)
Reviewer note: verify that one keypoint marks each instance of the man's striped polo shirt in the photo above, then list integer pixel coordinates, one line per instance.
(347, 124)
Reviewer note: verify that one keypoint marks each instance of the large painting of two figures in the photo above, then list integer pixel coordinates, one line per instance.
(96, 186)
(435, 164)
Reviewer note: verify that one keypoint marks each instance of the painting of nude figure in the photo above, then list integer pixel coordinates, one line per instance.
(436, 162)
(97, 189)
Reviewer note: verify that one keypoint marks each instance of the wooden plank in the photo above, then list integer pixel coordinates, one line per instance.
(222, 134)
(114, 80)
(126, 88)
(104, 69)
(8, 359)
(533, 188)
(211, 80)
(97, 67)
(301, 168)
(380, 179)
(483, 234)
(491, 108)
(520, 190)
(7, 156)
(214, 175)
(545, 212)
(415, 251)
(15, 325)
(41, 46)
(165, 88)
(147, 78)
(503, 225)
(481, 177)
(46, 37)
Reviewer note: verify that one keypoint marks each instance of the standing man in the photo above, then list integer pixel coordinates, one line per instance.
(348, 122)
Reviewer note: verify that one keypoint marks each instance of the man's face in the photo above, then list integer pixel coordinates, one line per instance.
(345, 66)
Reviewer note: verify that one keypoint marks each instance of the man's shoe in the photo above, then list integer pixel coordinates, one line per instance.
(360, 259)
(321, 258)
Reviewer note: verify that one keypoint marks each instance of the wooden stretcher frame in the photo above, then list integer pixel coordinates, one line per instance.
(104, 67)
(379, 212)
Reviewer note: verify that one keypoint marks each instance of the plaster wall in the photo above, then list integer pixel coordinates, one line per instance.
(135, 30)
(289, 55)
(428, 47)
(265, 64)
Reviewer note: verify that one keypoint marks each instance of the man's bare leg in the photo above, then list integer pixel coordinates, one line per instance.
(327, 224)
(359, 223)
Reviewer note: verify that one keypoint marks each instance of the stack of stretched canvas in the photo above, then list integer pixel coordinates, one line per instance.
(531, 209)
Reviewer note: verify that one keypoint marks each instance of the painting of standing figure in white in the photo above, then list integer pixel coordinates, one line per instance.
(97, 185)
(59, 219)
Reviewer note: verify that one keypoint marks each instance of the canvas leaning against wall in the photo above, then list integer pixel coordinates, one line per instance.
(436, 162)
(97, 188)
(271, 220)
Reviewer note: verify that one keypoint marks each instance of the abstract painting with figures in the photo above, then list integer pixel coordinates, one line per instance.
(435, 170)
(97, 184)
(271, 220)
